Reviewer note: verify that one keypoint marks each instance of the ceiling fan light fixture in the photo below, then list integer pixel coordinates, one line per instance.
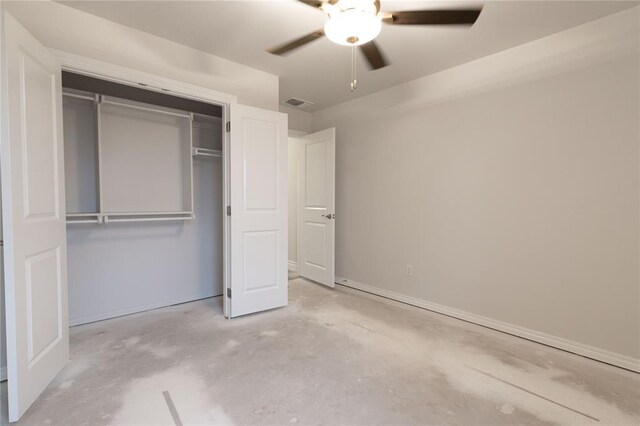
(353, 27)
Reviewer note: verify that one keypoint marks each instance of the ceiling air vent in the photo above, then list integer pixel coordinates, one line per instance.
(297, 103)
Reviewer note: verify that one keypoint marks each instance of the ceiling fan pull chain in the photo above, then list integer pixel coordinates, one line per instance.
(354, 82)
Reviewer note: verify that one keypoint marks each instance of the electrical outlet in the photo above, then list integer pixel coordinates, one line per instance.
(409, 272)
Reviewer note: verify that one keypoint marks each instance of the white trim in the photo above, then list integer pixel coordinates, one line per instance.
(527, 333)
(226, 219)
(3, 374)
(293, 266)
(119, 74)
(137, 309)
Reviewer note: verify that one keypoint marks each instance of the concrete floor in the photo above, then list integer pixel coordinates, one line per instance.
(331, 357)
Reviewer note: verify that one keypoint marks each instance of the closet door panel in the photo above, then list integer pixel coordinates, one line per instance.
(33, 216)
(259, 207)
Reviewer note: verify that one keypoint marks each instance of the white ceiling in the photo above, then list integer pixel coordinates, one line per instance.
(320, 72)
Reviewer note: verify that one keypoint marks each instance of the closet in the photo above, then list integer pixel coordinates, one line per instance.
(159, 195)
(144, 198)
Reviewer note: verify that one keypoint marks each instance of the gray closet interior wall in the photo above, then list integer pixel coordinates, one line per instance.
(145, 160)
(120, 268)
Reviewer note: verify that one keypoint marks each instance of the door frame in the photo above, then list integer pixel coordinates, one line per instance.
(131, 77)
(297, 141)
(300, 144)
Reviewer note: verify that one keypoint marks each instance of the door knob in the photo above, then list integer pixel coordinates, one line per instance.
(329, 216)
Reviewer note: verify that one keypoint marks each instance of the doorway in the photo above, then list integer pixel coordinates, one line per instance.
(144, 198)
(312, 208)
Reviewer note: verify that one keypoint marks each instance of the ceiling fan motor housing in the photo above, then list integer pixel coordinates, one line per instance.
(352, 22)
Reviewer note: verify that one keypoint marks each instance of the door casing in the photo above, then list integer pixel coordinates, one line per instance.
(302, 142)
(123, 75)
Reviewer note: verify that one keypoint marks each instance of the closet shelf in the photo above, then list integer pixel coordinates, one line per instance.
(108, 101)
(107, 219)
(73, 221)
(114, 214)
(104, 218)
(83, 218)
(77, 96)
(206, 152)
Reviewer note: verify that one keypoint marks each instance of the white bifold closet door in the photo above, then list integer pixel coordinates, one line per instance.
(259, 206)
(33, 210)
(316, 207)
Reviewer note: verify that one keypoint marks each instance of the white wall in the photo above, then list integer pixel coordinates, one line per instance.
(299, 121)
(64, 28)
(510, 184)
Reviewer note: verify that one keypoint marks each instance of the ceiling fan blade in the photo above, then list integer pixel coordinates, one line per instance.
(292, 45)
(373, 55)
(433, 17)
(313, 3)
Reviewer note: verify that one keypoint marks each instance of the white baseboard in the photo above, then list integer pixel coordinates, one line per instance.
(3, 374)
(536, 336)
(293, 266)
(135, 309)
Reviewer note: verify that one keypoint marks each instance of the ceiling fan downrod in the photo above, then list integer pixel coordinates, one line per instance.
(354, 82)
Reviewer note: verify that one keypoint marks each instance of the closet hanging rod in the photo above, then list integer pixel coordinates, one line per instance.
(83, 221)
(74, 95)
(148, 214)
(148, 219)
(203, 154)
(158, 110)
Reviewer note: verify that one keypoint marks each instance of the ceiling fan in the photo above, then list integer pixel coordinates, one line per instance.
(357, 23)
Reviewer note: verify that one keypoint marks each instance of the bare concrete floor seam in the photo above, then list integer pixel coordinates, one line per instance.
(535, 394)
(172, 408)
(330, 357)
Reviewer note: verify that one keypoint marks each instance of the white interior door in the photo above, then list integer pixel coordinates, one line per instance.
(316, 213)
(258, 193)
(33, 210)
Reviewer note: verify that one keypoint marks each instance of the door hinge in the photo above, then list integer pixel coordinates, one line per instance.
(229, 292)
(228, 210)
(228, 126)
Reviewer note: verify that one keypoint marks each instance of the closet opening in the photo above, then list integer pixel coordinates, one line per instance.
(144, 182)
